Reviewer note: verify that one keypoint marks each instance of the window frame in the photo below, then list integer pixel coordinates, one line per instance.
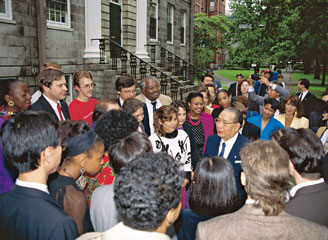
(154, 2)
(8, 15)
(55, 24)
(184, 17)
(169, 6)
(212, 8)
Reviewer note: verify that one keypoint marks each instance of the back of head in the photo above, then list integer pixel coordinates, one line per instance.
(25, 136)
(114, 125)
(275, 104)
(48, 76)
(102, 107)
(305, 151)
(277, 82)
(213, 189)
(131, 105)
(265, 165)
(146, 189)
(241, 107)
(124, 81)
(127, 149)
(241, 99)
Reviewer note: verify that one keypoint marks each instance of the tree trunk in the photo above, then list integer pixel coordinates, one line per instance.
(317, 69)
(307, 65)
(324, 70)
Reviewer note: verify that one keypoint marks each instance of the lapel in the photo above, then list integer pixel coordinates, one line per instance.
(145, 121)
(47, 107)
(118, 102)
(64, 109)
(234, 153)
(321, 187)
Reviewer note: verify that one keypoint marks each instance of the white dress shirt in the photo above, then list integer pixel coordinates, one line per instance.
(38, 186)
(53, 104)
(303, 95)
(301, 185)
(229, 145)
(151, 114)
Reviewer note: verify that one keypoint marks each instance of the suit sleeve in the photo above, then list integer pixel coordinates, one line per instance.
(282, 91)
(207, 149)
(256, 98)
(66, 230)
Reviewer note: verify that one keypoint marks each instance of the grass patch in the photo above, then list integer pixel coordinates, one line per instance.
(231, 74)
(298, 75)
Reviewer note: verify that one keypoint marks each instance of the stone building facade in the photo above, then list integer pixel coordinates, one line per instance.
(33, 32)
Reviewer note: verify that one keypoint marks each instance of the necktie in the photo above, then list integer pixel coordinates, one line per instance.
(301, 95)
(222, 150)
(154, 106)
(59, 111)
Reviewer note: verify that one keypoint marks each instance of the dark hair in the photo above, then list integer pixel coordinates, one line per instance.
(132, 105)
(305, 82)
(241, 108)
(221, 90)
(191, 96)
(294, 100)
(48, 76)
(239, 86)
(127, 149)
(179, 103)
(305, 151)
(124, 81)
(25, 136)
(68, 129)
(50, 65)
(213, 189)
(114, 125)
(242, 99)
(207, 75)
(164, 113)
(239, 75)
(274, 103)
(101, 107)
(146, 189)
(280, 76)
(325, 93)
(5, 89)
(265, 165)
(81, 74)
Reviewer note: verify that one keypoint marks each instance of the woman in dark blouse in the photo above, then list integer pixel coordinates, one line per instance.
(84, 152)
(213, 192)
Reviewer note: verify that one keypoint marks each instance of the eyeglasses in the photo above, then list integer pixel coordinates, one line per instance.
(224, 122)
(92, 85)
(129, 91)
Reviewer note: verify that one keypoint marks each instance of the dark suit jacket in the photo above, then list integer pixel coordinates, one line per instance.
(232, 89)
(307, 103)
(145, 121)
(251, 223)
(251, 131)
(118, 102)
(27, 213)
(193, 146)
(310, 203)
(212, 149)
(43, 105)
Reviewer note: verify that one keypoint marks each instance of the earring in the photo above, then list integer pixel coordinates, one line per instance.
(11, 103)
(81, 182)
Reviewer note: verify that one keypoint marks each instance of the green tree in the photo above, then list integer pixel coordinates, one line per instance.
(209, 37)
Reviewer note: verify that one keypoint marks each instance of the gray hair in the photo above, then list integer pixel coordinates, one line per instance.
(143, 81)
(238, 116)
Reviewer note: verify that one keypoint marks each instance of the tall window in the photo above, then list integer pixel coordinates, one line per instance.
(5, 9)
(58, 13)
(170, 12)
(212, 6)
(153, 20)
(183, 28)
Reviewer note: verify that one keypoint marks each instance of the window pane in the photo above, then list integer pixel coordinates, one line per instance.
(169, 14)
(2, 6)
(57, 11)
(169, 32)
(152, 11)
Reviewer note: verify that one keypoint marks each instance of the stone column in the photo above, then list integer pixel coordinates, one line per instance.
(141, 50)
(92, 28)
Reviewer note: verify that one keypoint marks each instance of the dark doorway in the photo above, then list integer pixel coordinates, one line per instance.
(115, 28)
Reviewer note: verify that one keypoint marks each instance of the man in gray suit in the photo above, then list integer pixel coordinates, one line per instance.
(306, 156)
(265, 177)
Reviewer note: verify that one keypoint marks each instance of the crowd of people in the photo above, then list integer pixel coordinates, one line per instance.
(250, 162)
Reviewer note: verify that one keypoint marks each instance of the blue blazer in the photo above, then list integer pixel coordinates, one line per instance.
(271, 126)
(212, 149)
(27, 213)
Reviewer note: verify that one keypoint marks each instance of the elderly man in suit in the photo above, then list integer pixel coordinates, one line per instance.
(266, 179)
(31, 144)
(153, 99)
(228, 142)
(53, 88)
(306, 156)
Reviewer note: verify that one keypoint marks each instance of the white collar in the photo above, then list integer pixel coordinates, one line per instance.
(38, 186)
(305, 184)
(250, 201)
(52, 102)
(149, 102)
(232, 140)
(121, 101)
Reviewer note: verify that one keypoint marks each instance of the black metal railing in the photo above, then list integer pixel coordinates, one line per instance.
(117, 52)
(175, 63)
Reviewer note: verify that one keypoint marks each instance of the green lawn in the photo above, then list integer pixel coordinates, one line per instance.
(231, 74)
(298, 75)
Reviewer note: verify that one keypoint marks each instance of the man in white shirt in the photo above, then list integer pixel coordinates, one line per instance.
(53, 88)
(309, 197)
(31, 144)
(153, 99)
